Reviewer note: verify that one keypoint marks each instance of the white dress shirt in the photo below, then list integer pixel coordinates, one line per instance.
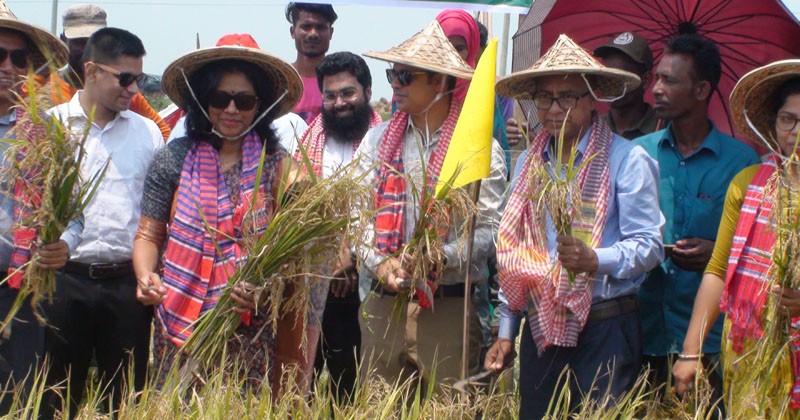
(129, 143)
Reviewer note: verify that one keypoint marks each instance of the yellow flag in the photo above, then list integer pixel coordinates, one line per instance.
(470, 149)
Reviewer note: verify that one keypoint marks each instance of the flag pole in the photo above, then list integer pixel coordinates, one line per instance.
(468, 286)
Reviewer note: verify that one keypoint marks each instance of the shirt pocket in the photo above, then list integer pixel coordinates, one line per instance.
(702, 218)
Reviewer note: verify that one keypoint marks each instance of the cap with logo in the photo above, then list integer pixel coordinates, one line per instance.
(630, 44)
(82, 20)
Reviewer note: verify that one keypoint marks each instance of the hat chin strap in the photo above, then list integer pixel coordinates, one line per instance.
(438, 96)
(214, 130)
(608, 100)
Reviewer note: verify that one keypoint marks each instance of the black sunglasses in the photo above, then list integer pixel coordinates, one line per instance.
(19, 58)
(244, 101)
(403, 76)
(125, 79)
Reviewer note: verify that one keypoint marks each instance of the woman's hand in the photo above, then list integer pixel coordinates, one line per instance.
(149, 289)
(788, 299)
(684, 372)
(245, 297)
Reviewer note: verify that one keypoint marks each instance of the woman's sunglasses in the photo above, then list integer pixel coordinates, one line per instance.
(244, 101)
(19, 58)
(403, 76)
(125, 79)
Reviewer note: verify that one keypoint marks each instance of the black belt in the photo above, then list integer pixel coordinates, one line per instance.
(613, 307)
(443, 291)
(99, 271)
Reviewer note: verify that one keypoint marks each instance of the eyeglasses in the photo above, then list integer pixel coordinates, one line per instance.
(544, 101)
(19, 58)
(786, 122)
(349, 94)
(242, 100)
(403, 76)
(125, 79)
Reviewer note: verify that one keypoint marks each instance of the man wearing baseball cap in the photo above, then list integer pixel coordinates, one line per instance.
(630, 116)
(80, 21)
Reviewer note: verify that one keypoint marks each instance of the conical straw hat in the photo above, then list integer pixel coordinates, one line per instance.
(428, 49)
(48, 46)
(281, 74)
(752, 96)
(563, 58)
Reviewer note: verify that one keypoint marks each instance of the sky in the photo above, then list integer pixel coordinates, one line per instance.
(168, 28)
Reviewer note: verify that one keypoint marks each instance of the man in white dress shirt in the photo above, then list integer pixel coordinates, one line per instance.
(94, 310)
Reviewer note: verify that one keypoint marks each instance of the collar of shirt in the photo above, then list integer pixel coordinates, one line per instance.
(710, 143)
(419, 133)
(9, 118)
(77, 113)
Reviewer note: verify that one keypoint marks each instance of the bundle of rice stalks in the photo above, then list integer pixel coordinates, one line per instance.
(304, 234)
(44, 171)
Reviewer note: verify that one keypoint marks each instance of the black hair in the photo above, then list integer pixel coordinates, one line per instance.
(483, 34)
(325, 10)
(706, 60)
(344, 61)
(782, 93)
(108, 44)
(207, 78)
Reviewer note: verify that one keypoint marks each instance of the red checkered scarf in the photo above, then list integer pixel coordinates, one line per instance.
(390, 196)
(27, 197)
(750, 260)
(197, 266)
(530, 280)
(313, 141)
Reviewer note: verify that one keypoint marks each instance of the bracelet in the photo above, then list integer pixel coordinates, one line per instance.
(690, 357)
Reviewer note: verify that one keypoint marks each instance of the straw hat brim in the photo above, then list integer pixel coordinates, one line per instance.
(611, 83)
(429, 65)
(281, 73)
(753, 93)
(48, 45)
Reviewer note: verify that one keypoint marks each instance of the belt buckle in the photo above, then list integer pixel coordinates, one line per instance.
(91, 271)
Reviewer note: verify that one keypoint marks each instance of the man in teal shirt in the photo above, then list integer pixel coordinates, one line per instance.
(697, 162)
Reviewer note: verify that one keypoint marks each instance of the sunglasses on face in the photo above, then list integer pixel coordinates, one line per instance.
(19, 58)
(403, 76)
(242, 100)
(125, 79)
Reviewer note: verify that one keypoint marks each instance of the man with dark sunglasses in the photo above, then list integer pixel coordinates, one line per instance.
(94, 310)
(22, 47)
(80, 21)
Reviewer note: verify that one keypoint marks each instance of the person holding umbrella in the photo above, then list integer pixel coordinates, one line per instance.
(577, 289)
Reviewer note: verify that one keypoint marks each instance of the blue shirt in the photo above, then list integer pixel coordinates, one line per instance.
(6, 200)
(631, 244)
(692, 196)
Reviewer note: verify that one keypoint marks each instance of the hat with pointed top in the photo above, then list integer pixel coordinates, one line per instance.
(429, 49)
(566, 57)
(48, 46)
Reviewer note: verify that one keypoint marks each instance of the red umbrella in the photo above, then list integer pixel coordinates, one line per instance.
(749, 33)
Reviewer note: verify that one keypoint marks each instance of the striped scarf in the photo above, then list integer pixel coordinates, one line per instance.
(558, 310)
(390, 196)
(196, 265)
(313, 141)
(750, 260)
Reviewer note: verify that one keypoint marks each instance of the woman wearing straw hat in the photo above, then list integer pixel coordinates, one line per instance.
(761, 377)
(231, 95)
(421, 343)
(578, 288)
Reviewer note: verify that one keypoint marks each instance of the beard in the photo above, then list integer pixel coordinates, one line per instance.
(349, 128)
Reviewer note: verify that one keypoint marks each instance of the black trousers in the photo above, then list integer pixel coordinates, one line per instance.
(607, 357)
(340, 346)
(101, 318)
(21, 350)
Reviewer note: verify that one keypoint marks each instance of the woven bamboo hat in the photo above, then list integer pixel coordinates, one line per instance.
(752, 95)
(48, 46)
(428, 49)
(563, 58)
(281, 73)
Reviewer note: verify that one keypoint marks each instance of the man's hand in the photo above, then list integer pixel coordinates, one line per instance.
(345, 275)
(684, 372)
(52, 256)
(788, 299)
(393, 276)
(575, 256)
(513, 132)
(150, 290)
(244, 297)
(692, 254)
(497, 354)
